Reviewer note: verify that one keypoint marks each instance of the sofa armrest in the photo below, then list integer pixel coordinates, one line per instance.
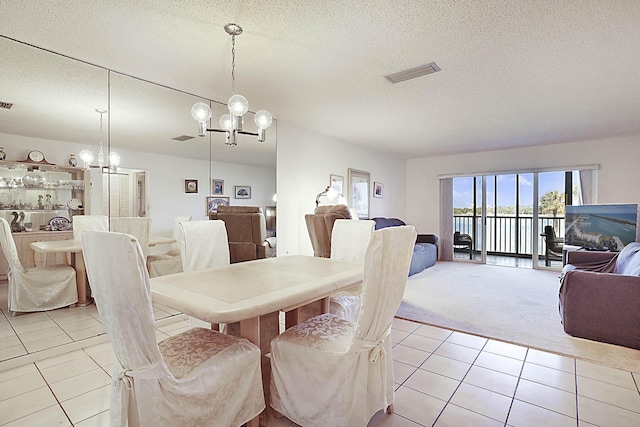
(601, 306)
(587, 257)
(427, 238)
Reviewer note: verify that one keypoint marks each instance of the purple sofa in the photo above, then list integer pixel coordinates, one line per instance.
(600, 296)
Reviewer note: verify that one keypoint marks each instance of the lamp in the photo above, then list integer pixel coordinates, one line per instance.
(331, 194)
(87, 156)
(231, 124)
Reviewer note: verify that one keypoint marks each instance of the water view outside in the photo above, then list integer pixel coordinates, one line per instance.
(509, 202)
(601, 227)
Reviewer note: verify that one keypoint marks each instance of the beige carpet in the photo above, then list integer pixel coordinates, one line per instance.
(516, 305)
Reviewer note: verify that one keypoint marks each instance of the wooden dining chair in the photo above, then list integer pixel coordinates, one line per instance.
(328, 371)
(36, 288)
(349, 242)
(199, 377)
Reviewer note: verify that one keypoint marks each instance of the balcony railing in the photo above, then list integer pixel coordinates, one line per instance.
(507, 235)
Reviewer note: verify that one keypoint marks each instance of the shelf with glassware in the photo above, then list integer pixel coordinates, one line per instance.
(39, 201)
(38, 197)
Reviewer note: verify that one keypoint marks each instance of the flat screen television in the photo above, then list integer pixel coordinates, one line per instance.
(601, 227)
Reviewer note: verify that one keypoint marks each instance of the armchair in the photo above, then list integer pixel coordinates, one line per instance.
(463, 241)
(246, 231)
(599, 297)
(320, 226)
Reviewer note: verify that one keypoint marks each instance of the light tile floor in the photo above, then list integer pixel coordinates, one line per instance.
(29, 333)
(443, 378)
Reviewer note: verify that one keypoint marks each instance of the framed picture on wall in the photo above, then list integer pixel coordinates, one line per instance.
(337, 183)
(378, 189)
(242, 192)
(359, 192)
(214, 201)
(190, 185)
(217, 186)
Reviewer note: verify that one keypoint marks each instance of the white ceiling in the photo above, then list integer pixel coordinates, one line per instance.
(514, 73)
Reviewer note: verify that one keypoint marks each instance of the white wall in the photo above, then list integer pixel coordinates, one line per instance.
(166, 177)
(305, 161)
(618, 177)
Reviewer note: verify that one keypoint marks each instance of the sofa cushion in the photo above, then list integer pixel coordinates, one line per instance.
(387, 222)
(628, 261)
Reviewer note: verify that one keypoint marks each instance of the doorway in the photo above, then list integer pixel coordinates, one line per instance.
(125, 193)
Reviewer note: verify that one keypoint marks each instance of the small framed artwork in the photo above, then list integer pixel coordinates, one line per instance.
(337, 183)
(190, 185)
(217, 186)
(214, 201)
(243, 192)
(378, 189)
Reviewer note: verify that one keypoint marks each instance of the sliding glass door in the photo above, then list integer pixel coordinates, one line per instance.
(514, 219)
(467, 218)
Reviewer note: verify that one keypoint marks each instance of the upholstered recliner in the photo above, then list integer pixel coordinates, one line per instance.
(600, 296)
(246, 231)
(320, 226)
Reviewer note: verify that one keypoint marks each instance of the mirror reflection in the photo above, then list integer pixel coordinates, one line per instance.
(55, 99)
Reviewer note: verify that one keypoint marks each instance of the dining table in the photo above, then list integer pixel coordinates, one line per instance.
(74, 249)
(244, 291)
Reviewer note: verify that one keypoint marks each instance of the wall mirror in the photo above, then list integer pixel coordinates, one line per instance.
(54, 101)
(359, 192)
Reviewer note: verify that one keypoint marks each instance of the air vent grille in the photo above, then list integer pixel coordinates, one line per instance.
(183, 138)
(422, 70)
(5, 105)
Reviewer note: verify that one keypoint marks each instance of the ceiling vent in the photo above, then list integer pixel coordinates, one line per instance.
(183, 138)
(5, 105)
(422, 70)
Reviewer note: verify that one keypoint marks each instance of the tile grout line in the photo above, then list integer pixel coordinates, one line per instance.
(53, 394)
(460, 383)
(575, 376)
(513, 398)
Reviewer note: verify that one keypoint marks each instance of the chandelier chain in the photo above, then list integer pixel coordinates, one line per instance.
(233, 64)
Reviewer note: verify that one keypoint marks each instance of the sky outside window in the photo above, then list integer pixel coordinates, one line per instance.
(506, 194)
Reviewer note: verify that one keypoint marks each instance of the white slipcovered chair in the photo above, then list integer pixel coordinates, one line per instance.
(349, 241)
(169, 262)
(328, 371)
(37, 288)
(138, 227)
(203, 244)
(89, 222)
(197, 378)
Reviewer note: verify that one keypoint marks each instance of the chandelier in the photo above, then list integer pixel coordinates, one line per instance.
(87, 156)
(231, 124)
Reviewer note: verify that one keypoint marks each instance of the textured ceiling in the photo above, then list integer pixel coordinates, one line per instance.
(514, 73)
